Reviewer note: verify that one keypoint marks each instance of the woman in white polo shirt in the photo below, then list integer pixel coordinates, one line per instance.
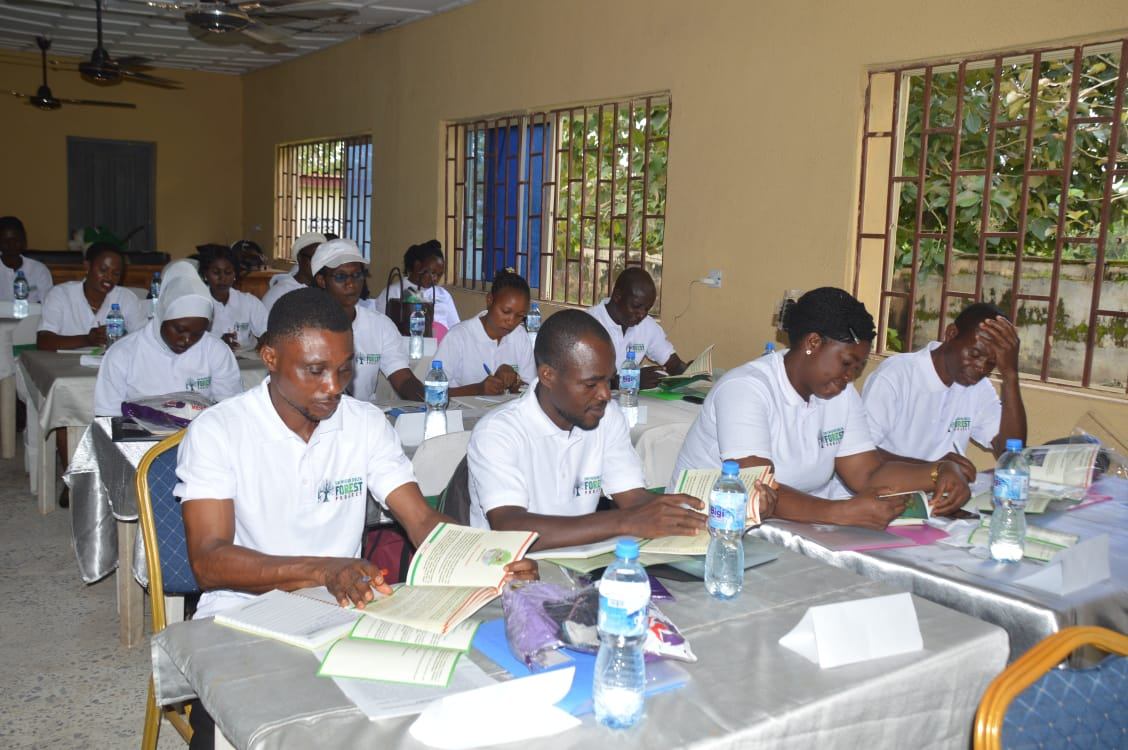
(491, 354)
(798, 411)
(424, 268)
(340, 269)
(74, 313)
(240, 318)
(173, 353)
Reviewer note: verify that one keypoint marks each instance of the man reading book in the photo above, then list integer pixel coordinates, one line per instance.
(542, 462)
(626, 318)
(275, 481)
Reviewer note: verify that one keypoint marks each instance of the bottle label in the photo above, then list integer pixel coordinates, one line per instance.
(622, 607)
(628, 380)
(435, 394)
(727, 510)
(417, 326)
(1011, 488)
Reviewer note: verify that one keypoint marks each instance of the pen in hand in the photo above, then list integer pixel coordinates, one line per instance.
(487, 369)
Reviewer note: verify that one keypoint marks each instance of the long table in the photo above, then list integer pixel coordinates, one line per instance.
(59, 393)
(954, 578)
(745, 690)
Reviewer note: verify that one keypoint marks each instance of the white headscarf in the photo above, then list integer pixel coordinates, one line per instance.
(177, 269)
(186, 296)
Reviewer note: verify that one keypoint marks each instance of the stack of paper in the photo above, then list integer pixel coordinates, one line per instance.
(292, 618)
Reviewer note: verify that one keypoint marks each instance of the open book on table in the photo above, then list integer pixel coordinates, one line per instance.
(701, 368)
(699, 483)
(456, 572)
(917, 510)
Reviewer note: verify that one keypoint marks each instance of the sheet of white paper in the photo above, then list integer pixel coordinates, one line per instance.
(378, 700)
(833, 635)
(411, 427)
(1073, 569)
(506, 712)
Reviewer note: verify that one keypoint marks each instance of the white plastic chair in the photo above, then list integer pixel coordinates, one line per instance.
(658, 447)
(436, 459)
(26, 330)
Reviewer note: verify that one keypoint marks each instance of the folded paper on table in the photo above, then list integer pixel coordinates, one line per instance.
(1073, 569)
(412, 426)
(303, 621)
(376, 701)
(833, 635)
(506, 712)
(661, 676)
(389, 662)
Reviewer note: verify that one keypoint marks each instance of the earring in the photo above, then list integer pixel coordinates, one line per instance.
(808, 352)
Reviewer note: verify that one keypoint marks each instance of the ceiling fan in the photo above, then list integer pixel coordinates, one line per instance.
(250, 19)
(44, 99)
(101, 68)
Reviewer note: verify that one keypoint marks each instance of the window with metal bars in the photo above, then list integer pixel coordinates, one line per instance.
(568, 197)
(1002, 178)
(324, 186)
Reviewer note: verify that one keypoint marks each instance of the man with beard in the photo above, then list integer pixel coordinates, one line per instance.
(543, 461)
(274, 482)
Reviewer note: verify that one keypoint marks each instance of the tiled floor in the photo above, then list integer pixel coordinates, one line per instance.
(66, 682)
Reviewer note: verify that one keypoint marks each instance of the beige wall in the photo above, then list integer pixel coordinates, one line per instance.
(764, 138)
(198, 131)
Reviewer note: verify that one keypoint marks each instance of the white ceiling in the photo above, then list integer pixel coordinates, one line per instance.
(132, 27)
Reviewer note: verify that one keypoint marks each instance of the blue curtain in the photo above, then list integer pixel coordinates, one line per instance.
(501, 218)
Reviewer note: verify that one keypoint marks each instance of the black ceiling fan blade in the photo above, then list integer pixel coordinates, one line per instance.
(132, 61)
(303, 15)
(152, 80)
(99, 103)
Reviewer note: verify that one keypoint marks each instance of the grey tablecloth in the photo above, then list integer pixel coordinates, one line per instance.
(956, 579)
(745, 689)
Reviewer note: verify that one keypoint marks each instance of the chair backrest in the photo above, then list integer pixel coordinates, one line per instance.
(162, 527)
(436, 459)
(1032, 704)
(658, 447)
(26, 331)
(455, 500)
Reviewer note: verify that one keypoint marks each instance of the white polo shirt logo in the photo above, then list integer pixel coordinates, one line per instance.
(638, 349)
(340, 490)
(828, 438)
(589, 485)
(368, 359)
(960, 424)
(197, 384)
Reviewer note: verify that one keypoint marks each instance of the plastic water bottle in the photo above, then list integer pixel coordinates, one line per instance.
(620, 671)
(1008, 521)
(154, 293)
(20, 290)
(417, 324)
(435, 389)
(629, 378)
(115, 325)
(724, 559)
(533, 321)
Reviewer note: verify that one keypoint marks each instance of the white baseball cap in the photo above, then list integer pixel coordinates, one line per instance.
(307, 239)
(334, 254)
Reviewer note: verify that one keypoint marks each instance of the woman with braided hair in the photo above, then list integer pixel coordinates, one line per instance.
(797, 410)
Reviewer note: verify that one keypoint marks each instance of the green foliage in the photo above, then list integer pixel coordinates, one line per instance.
(1096, 98)
(611, 178)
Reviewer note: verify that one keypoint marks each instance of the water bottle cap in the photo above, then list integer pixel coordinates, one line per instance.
(436, 364)
(769, 347)
(730, 469)
(114, 306)
(627, 548)
(19, 274)
(418, 307)
(536, 306)
(631, 355)
(1014, 445)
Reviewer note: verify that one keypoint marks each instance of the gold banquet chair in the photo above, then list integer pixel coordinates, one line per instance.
(1033, 705)
(166, 553)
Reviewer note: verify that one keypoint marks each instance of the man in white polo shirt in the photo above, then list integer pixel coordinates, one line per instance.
(929, 404)
(300, 276)
(274, 482)
(626, 318)
(340, 269)
(13, 242)
(542, 462)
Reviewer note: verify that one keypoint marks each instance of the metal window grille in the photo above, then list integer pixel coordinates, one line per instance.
(1003, 178)
(324, 186)
(568, 197)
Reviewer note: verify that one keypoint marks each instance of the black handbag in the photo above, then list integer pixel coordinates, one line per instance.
(400, 310)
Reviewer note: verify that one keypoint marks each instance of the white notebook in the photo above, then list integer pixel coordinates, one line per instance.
(291, 618)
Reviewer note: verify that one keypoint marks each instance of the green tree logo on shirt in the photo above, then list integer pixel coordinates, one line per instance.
(325, 491)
